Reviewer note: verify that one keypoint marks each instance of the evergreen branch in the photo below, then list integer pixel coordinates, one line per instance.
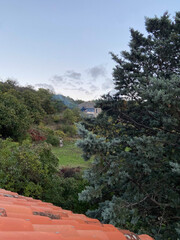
(161, 220)
(137, 203)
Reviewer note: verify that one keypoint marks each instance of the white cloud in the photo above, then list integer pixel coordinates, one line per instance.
(72, 74)
(97, 71)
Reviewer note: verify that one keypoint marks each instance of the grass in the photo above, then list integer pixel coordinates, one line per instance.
(70, 155)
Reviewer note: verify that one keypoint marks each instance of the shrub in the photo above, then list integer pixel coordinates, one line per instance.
(65, 194)
(69, 130)
(60, 133)
(68, 116)
(56, 118)
(67, 172)
(36, 135)
(53, 140)
(27, 169)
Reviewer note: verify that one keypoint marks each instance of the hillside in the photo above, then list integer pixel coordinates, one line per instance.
(69, 102)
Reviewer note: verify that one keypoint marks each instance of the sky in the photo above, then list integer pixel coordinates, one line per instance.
(64, 45)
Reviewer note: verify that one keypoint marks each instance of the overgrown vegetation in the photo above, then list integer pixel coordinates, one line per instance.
(32, 170)
(31, 122)
(133, 181)
(136, 140)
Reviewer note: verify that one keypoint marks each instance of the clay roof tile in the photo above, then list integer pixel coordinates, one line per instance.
(23, 218)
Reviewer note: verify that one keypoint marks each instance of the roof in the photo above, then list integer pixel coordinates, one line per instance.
(23, 218)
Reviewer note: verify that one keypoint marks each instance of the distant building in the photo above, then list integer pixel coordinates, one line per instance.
(89, 109)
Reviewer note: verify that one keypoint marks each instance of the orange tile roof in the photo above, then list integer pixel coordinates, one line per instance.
(23, 218)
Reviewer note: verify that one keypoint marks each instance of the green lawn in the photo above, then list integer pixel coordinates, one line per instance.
(70, 155)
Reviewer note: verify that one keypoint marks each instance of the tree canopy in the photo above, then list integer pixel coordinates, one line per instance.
(22, 106)
(135, 142)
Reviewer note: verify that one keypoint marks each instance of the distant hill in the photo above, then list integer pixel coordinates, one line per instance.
(89, 104)
(69, 102)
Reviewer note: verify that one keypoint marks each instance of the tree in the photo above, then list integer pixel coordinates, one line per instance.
(136, 141)
(33, 102)
(22, 106)
(69, 116)
(46, 100)
(14, 117)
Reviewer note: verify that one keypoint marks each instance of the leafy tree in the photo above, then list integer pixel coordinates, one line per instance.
(69, 130)
(14, 117)
(58, 105)
(33, 102)
(69, 116)
(53, 140)
(8, 85)
(20, 107)
(27, 169)
(46, 100)
(136, 140)
(79, 101)
(67, 197)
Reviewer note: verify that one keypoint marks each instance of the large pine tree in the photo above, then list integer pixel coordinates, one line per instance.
(135, 142)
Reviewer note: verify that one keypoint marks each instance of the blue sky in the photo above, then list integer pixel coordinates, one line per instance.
(65, 44)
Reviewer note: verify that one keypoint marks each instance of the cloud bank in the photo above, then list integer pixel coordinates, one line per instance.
(97, 71)
(86, 84)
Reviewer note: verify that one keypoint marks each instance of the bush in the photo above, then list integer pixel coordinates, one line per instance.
(56, 118)
(67, 172)
(51, 137)
(60, 133)
(45, 130)
(26, 169)
(66, 193)
(36, 135)
(69, 130)
(53, 140)
(68, 116)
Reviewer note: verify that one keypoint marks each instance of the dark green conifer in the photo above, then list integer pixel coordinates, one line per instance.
(135, 142)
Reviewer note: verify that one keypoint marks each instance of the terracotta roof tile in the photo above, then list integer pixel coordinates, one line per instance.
(23, 218)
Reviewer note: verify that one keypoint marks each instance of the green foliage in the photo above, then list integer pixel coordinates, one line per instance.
(66, 122)
(22, 106)
(59, 106)
(79, 101)
(56, 118)
(32, 170)
(77, 115)
(70, 187)
(14, 117)
(29, 168)
(135, 141)
(26, 169)
(69, 130)
(49, 103)
(68, 116)
(51, 136)
(33, 103)
(60, 133)
(53, 140)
